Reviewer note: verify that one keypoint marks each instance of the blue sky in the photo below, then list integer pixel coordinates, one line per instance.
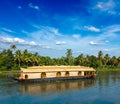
(50, 27)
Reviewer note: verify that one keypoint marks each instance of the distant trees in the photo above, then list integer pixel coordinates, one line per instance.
(18, 58)
(106, 59)
(100, 58)
(80, 60)
(13, 47)
(69, 57)
(14, 58)
(6, 59)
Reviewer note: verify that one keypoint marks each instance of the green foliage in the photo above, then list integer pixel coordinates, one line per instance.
(13, 59)
(69, 57)
(7, 59)
(15, 68)
(3, 68)
(2, 75)
(24, 66)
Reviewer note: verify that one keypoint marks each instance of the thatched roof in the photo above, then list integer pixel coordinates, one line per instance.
(56, 68)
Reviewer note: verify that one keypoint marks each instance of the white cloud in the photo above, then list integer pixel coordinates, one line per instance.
(11, 40)
(46, 33)
(22, 42)
(106, 41)
(47, 47)
(33, 6)
(112, 29)
(99, 41)
(32, 43)
(50, 39)
(108, 6)
(60, 43)
(106, 50)
(25, 32)
(77, 52)
(6, 39)
(93, 43)
(7, 30)
(36, 26)
(18, 40)
(76, 36)
(92, 28)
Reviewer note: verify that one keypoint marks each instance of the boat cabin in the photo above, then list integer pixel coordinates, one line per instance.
(56, 72)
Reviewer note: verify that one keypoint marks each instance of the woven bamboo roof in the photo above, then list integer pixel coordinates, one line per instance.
(56, 69)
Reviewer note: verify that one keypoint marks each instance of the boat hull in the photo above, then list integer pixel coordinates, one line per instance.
(54, 79)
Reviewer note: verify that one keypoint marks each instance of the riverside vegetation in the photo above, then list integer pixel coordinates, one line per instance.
(13, 59)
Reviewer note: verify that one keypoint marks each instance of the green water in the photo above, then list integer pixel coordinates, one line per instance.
(105, 89)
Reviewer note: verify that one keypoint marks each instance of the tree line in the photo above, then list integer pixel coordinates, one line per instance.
(13, 59)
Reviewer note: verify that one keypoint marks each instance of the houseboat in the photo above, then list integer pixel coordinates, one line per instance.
(51, 73)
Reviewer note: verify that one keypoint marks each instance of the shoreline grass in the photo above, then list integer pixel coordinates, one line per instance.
(108, 69)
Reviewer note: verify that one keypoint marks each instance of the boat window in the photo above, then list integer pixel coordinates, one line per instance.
(88, 73)
(43, 75)
(58, 74)
(26, 76)
(79, 73)
(91, 73)
(67, 74)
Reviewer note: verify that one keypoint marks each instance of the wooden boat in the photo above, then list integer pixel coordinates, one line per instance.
(52, 73)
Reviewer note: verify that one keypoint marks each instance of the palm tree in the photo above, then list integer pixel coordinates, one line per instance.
(9, 58)
(100, 57)
(25, 57)
(81, 59)
(34, 59)
(18, 57)
(69, 57)
(27, 61)
(118, 61)
(13, 47)
(106, 59)
(37, 58)
(114, 61)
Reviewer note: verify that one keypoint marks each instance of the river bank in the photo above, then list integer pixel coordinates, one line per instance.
(108, 69)
(4, 74)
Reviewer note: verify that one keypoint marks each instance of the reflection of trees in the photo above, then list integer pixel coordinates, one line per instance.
(102, 76)
(58, 86)
(37, 88)
(67, 85)
(107, 78)
(115, 75)
(6, 86)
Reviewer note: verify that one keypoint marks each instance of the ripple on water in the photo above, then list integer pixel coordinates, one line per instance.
(104, 90)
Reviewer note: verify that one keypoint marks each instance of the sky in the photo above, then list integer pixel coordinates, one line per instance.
(50, 27)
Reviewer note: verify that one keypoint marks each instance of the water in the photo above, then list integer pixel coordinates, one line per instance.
(104, 90)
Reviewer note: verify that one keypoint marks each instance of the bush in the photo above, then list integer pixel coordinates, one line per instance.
(3, 68)
(3, 75)
(24, 66)
(15, 68)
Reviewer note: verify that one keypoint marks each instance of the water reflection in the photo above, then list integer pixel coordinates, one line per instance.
(108, 79)
(37, 88)
(105, 89)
